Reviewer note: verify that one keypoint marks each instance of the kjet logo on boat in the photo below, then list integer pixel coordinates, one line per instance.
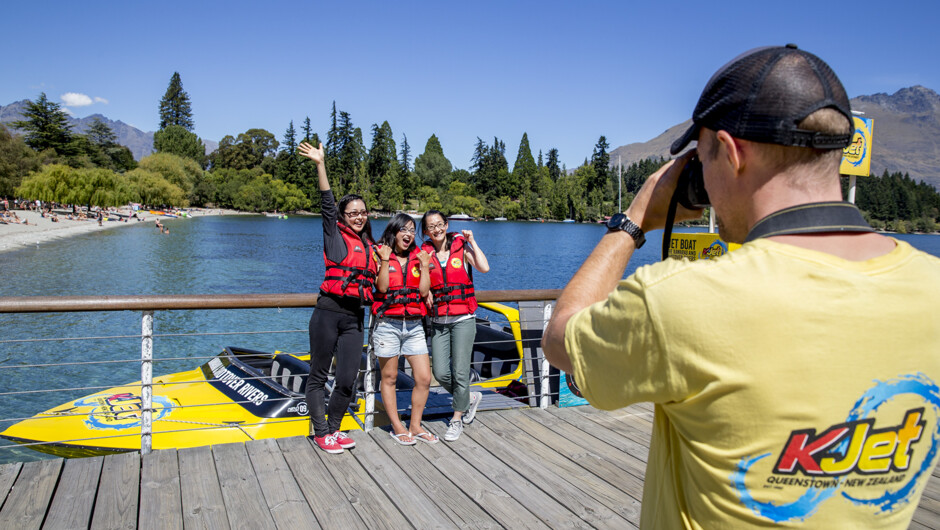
(121, 411)
(873, 459)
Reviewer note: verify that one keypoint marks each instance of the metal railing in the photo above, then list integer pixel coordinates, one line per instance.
(534, 310)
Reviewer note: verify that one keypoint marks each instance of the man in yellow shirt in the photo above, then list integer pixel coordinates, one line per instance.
(795, 380)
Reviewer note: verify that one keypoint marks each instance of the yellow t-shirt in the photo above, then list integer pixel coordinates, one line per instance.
(792, 387)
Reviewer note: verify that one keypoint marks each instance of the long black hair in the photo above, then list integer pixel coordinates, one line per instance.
(366, 234)
(395, 224)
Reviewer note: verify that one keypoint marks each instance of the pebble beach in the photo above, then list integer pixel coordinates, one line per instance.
(41, 230)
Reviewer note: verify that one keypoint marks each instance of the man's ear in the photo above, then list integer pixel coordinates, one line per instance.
(734, 150)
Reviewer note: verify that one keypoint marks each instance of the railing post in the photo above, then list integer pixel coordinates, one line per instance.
(146, 382)
(545, 367)
(533, 316)
(369, 385)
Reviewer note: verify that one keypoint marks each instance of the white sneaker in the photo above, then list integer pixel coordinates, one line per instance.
(454, 429)
(475, 399)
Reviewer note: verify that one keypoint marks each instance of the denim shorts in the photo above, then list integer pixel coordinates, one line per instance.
(393, 337)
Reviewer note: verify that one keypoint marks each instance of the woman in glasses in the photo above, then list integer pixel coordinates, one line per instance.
(336, 324)
(453, 326)
(400, 287)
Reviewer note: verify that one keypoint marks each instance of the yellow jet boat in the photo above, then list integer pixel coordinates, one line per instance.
(241, 395)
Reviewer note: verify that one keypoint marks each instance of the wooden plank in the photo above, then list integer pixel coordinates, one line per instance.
(601, 463)
(8, 474)
(74, 498)
(525, 462)
(25, 507)
(461, 509)
(927, 518)
(609, 436)
(282, 494)
(370, 502)
(118, 493)
(501, 506)
(535, 500)
(244, 502)
(410, 497)
(611, 496)
(328, 503)
(624, 423)
(161, 506)
(202, 503)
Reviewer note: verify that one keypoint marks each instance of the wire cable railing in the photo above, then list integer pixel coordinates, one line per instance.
(523, 334)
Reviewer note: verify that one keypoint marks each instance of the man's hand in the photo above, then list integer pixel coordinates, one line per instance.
(651, 204)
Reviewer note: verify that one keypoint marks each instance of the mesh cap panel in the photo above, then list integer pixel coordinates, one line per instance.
(762, 95)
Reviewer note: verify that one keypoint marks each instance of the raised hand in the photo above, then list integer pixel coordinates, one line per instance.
(311, 152)
(424, 258)
(468, 235)
(384, 252)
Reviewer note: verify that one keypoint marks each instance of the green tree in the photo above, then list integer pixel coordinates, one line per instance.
(247, 151)
(46, 126)
(175, 108)
(89, 186)
(383, 157)
(405, 161)
(431, 167)
(288, 166)
(525, 175)
(180, 171)
(16, 161)
(554, 172)
(177, 140)
(153, 189)
(600, 160)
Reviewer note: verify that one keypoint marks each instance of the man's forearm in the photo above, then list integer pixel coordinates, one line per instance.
(594, 281)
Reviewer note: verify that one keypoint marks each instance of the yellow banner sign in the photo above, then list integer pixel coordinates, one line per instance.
(699, 246)
(856, 158)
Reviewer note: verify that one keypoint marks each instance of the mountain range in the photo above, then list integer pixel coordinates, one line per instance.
(906, 134)
(139, 142)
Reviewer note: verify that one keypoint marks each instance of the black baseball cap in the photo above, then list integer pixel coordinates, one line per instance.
(762, 94)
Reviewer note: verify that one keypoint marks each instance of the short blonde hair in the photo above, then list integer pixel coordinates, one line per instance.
(827, 121)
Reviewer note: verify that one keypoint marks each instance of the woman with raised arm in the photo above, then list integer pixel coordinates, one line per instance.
(336, 324)
(400, 287)
(453, 326)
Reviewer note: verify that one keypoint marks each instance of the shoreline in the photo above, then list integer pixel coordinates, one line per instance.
(42, 230)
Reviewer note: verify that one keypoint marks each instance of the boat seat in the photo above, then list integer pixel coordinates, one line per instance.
(290, 372)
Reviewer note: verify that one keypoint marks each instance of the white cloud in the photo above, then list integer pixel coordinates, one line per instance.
(74, 99)
(101, 100)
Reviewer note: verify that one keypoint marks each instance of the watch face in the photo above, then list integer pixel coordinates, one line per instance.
(616, 221)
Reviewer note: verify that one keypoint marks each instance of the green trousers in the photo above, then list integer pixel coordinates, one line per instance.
(451, 353)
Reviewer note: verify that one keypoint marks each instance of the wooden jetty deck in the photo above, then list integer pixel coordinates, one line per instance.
(530, 468)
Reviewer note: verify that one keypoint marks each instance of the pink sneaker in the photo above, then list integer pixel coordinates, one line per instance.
(343, 440)
(328, 443)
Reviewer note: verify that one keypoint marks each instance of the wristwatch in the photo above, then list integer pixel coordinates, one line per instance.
(620, 221)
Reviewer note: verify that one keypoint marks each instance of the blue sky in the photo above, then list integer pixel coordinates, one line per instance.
(563, 72)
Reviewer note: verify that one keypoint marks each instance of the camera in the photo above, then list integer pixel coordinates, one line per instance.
(691, 186)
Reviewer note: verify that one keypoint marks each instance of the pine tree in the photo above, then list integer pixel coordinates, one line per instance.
(46, 126)
(99, 133)
(553, 170)
(601, 162)
(288, 167)
(405, 163)
(175, 108)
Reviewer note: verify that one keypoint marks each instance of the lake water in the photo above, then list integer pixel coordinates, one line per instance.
(222, 255)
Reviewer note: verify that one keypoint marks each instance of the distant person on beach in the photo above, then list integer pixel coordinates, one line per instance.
(453, 303)
(401, 284)
(794, 379)
(336, 323)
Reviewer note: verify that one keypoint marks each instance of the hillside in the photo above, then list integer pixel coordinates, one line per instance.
(139, 142)
(906, 134)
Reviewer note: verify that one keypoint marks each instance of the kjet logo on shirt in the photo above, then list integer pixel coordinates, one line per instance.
(856, 456)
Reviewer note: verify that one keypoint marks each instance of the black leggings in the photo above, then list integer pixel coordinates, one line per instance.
(338, 334)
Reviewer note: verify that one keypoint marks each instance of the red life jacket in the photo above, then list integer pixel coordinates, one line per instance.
(403, 297)
(355, 275)
(451, 285)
